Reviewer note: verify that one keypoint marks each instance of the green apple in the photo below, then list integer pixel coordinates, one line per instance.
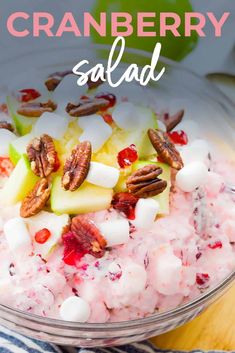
(88, 198)
(23, 124)
(173, 47)
(121, 184)
(18, 147)
(19, 184)
(139, 137)
(162, 198)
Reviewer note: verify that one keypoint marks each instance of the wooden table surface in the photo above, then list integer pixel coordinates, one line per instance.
(214, 329)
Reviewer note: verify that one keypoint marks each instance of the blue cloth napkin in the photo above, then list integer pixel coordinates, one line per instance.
(11, 342)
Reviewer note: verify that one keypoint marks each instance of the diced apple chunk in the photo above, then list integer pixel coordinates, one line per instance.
(88, 198)
(20, 182)
(18, 147)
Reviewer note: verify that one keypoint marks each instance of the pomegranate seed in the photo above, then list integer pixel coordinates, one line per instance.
(178, 137)
(108, 118)
(127, 156)
(111, 98)
(202, 278)
(42, 236)
(216, 245)
(125, 202)
(6, 167)
(28, 94)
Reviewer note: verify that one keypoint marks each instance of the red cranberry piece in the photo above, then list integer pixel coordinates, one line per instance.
(216, 245)
(111, 98)
(115, 276)
(42, 236)
(202, 278)
(127, 156)
(72, 251)
(178, 137)
(125, 202)
(198, 255)
(28, 94)
(6, 167)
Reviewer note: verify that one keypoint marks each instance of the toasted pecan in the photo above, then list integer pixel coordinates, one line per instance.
(55, 78)
(77, 166)
(42, 155)
(7, 126)
(87, 106)
(145, 183)
(36, 199)
(94, 84)
(165, 148)
(88, 236)
(36, 109)
(171, 121)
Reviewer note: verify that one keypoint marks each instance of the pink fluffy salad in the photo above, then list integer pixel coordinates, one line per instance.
(110, 210)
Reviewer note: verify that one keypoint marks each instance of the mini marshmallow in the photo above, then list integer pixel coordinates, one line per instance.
(6, 137)
(190, 127)
(115, 232)
(198, 150)
(97, 133)
(145, 213)
(192, 176)
(75, 309)
(86, 122)
(51, 124)
(166, 270)
(102, 175)
(16, 233)
(68, 91)
(124, 115)
(132, 281)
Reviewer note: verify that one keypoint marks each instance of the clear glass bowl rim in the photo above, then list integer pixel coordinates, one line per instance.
(157, 318)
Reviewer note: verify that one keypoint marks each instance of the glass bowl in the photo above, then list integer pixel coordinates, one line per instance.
(178, 84)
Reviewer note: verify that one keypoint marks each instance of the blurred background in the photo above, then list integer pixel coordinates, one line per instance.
(203, 55)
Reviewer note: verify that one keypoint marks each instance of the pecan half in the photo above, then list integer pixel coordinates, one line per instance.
(145, 183)
(54, 79)
(165, 148)
(7, 126)
(42, 155)
(171, 121)
(88, 236)
(36, 109)
(36, 199)
(87, 106)
(94, 84)
(77, 166)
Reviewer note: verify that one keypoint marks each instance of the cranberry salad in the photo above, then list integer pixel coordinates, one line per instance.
(110, 210)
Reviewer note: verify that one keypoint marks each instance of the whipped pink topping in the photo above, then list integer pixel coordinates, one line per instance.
(178, 258)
